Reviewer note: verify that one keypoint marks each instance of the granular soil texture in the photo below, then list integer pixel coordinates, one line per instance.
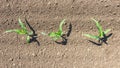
(45, 16)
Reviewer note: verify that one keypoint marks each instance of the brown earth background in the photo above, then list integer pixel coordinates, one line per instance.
(45, 16)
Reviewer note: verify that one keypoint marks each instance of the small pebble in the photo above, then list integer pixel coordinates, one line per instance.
(109, 23)
(72, 6)
(112, 19)
(118, 5)
(8, 5)
(49, 3)
(106, 5)
(77, 30)
(11, 59)
(50, 27)
(58, 53)
(91, 27)
(56, 3)
(34, 55)
(101, 0)
(13, 64)
(19, 57)
(114, 13)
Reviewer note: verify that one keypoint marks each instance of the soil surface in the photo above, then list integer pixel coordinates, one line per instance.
(45, 16)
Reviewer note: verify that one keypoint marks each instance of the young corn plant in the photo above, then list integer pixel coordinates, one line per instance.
(102, 33)
(22, 31)
(56, 35)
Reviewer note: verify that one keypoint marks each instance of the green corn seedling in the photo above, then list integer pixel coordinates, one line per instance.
(56, 35)
(100, 30)
(22, 31)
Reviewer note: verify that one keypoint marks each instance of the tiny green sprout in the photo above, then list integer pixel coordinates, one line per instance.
(22, 31)
(100, 30)
(56, 35)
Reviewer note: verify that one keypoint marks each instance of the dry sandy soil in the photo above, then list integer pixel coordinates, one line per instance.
(45, 16)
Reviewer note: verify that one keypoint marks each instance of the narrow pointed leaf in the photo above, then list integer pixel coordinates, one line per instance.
(61, 24)
(14, 30)
(106, 31)
(92, 36)
(10, 31)
(21, 24)
(98, 27)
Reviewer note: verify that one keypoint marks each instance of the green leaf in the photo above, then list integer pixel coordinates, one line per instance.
(23, 30)
(16, 31)
(58, 34)
(54, 35)
(99, 27)
(61, 24)
(28, 39)
(92, 36)
(21, 24)
(106, 31)
(10, 31)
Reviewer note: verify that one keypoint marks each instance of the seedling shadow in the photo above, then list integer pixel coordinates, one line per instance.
(34, 36)
(64, 36)
(101, 40)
